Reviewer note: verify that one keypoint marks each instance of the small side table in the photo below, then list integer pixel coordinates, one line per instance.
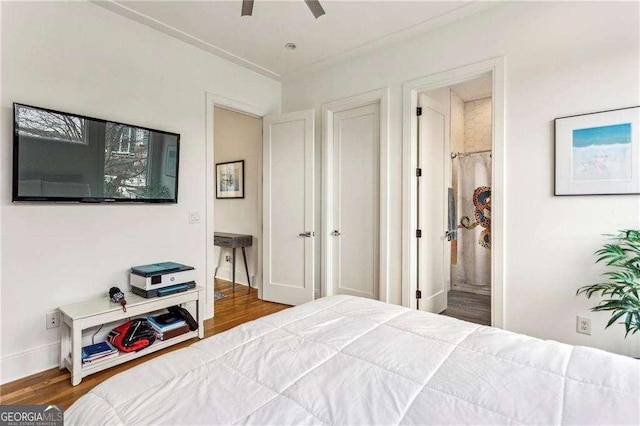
(80, 316)
(233, 241)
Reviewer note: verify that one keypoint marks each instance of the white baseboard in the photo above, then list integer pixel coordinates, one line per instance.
(224, 273)
(31, 361)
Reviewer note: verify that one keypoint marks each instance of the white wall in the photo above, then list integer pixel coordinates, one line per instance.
(79, 57)
(3, 127)
(561, 59)
(239, 137)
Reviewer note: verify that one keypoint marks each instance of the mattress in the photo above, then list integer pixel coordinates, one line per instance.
(348, 360)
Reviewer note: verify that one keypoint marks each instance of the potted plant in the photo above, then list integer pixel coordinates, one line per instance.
(621, 293)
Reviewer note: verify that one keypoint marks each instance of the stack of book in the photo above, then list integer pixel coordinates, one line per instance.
(98, 352)
(168, 326)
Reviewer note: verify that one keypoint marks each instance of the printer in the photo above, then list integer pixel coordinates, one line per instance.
(161, 279)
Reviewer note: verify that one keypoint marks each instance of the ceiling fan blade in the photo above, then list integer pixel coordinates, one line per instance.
(247, 7)
(315, 8)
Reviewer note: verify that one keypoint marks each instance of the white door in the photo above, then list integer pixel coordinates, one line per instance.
(354, 228)
(433, 248)
(288, 203)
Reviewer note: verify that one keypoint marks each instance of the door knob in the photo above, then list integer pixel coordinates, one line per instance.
(335, 233)
(307, 234)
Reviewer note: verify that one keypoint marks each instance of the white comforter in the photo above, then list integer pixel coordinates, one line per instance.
(347, 360)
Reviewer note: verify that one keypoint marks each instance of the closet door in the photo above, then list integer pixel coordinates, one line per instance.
(354, 226)
(288, 203)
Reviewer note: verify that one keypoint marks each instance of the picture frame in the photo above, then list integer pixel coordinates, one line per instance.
(598, 153)
(171, 161)
(230, 180)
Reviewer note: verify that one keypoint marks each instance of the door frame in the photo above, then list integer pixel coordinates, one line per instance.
(211, 101)
(410, 91)
(380, 96)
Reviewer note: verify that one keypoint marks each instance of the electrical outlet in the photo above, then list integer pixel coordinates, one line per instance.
(227, 258)
(583, 325)
(194, 217)
(53, 319)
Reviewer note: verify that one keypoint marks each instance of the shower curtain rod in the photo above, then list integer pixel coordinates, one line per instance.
(464, 154)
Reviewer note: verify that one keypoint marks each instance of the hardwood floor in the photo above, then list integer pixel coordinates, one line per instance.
(470, 307)
(54, 386)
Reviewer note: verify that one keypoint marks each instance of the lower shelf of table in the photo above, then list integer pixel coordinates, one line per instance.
(124, 357)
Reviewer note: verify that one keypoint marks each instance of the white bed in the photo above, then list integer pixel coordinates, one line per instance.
(347, 360)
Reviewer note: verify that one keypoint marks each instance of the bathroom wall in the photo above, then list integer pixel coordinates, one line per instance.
(457, 123)
(477, 125)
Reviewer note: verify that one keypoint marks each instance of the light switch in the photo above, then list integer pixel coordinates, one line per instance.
(194, 217)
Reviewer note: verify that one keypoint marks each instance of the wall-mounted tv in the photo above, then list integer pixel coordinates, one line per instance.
(59, 156)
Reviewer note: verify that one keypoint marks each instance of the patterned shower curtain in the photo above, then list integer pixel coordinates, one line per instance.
(473, 269)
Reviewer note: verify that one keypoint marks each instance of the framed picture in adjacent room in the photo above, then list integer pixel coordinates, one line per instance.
(230, 179)
(598, 153)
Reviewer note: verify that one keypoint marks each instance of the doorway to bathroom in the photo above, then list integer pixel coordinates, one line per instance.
(454, 152)
(469, 201)
(454, 269)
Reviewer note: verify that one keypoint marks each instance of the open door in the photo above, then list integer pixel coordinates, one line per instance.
(433, 247)
(288, 207)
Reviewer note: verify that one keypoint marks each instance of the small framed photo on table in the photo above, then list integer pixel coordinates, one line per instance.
(599, 153)
(230, 179)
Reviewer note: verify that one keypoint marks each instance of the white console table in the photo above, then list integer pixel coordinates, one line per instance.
(80, 316)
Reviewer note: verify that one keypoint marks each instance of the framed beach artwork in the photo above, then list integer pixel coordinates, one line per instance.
(230, 179)
(598, 153)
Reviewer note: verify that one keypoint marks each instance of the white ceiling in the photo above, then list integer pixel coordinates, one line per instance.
(349, 28)
(471, 90)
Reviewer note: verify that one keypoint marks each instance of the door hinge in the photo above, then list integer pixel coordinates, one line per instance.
(418, 172)
(418, 233)
(418, 294)
(419, 111)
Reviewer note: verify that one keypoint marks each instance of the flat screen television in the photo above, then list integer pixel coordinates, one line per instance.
(59, 156)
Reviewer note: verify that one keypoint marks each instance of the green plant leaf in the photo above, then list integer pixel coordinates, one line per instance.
(627, 323)
(620, 293)
(614, 318)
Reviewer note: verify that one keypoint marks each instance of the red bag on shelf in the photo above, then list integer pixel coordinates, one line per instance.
(132, 336)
